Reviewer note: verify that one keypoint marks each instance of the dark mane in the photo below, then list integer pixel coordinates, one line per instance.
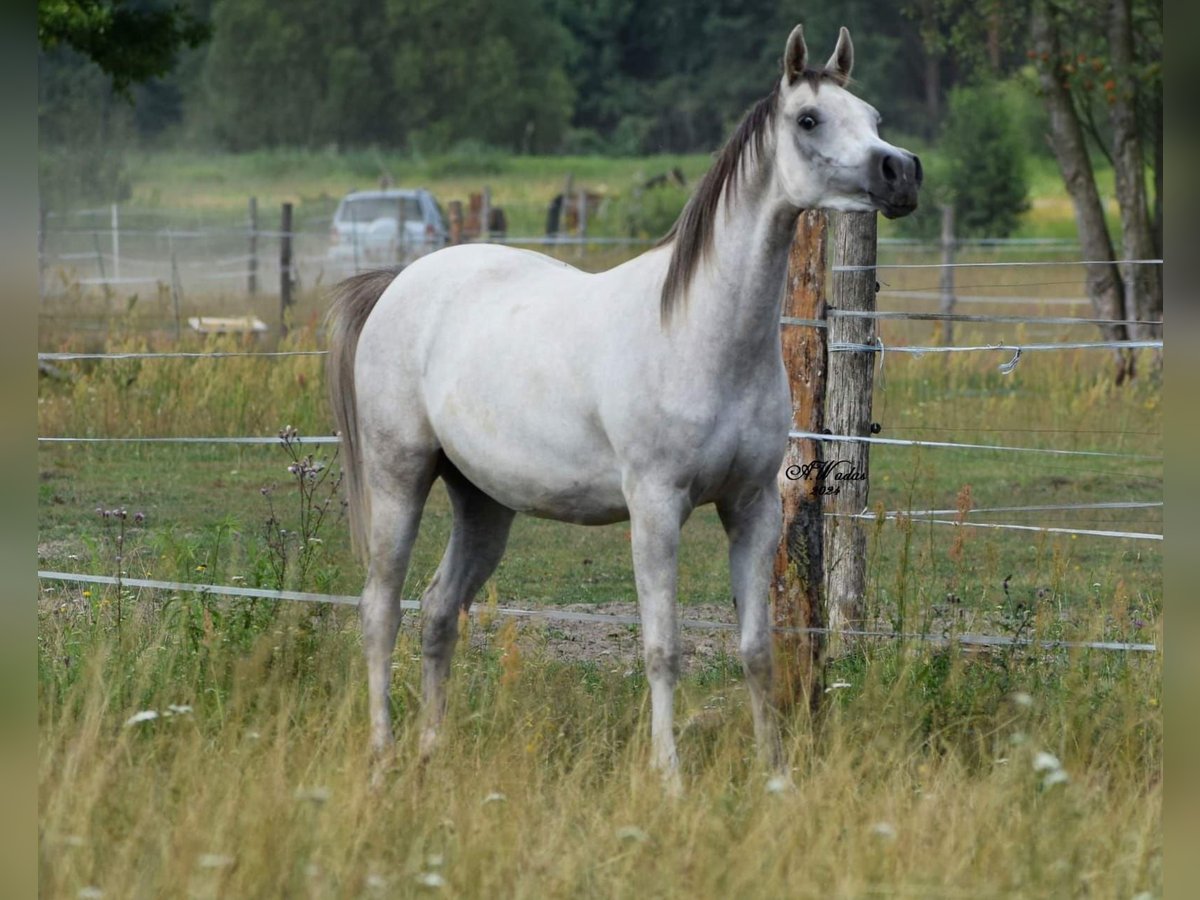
(692, 233)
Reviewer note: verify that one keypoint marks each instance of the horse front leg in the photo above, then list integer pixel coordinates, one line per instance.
(655, 519)
(753, 522)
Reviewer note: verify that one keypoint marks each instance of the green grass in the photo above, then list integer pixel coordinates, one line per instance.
(918, 779)
(214, 187)
(1063, 400)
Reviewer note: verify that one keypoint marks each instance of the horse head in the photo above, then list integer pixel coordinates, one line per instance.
(829, 154)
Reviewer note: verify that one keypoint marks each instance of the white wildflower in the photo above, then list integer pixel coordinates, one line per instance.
(494, 797)
(1020, 698)
(91, 892)
(317, 795)
(838, 686)
(1056, 776)
(884, 830)
(146, 715)
(1045, 762)
(178, 709)
(431, 880)
(778, 784)
(435, 860)
(214, 861)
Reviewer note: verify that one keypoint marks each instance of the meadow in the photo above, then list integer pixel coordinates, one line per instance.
(924, 775)
(929, 771)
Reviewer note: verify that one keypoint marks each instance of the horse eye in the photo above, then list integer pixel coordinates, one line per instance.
(807, 122)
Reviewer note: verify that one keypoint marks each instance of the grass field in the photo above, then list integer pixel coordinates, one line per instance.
(929, 772)
(213, 188)
(920, 778)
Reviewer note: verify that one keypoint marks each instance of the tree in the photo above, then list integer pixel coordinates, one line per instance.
(130, 44)
(1102, 59)
(980, 168)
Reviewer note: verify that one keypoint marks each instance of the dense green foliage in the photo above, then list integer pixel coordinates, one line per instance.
(473, 80)
(129, 42)
(980, 168)
(525, 75)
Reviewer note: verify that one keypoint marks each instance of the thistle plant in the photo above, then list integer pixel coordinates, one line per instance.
(291, 552)
(114, 530)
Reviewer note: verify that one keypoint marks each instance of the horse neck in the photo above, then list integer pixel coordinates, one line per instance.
(737, 294)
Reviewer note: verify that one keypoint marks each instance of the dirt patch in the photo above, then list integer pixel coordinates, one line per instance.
(617, 642)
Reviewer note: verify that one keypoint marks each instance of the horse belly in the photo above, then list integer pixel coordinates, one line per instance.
(537, 451)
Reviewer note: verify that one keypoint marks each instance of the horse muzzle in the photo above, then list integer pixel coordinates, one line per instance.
(895, 179)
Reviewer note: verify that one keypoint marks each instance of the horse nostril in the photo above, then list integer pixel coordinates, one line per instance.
(888, 166)
(920, 173)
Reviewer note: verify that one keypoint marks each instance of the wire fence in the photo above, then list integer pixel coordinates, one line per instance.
(565, 615)
(189, 258)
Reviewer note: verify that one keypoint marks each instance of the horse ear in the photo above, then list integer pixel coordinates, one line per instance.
(795, 55)
(842, 61)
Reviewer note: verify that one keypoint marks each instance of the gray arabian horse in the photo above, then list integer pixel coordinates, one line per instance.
(634, 394)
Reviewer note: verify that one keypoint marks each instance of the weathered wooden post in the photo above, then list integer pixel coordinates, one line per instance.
(583, 220)
(176, 288)
(252, 221)
(285, 267)
(946, 278)
(455, 213)
(485, 215)
(848, 411)
(564, 222)
(41, 251)
(797, 588)
(116, 242)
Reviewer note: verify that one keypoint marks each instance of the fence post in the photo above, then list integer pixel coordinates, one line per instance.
(946, 278)
(564, 222)
(797, 585)
(455, 214)
(116, 242)
(176, 288)
(252, 278)
(485, 215)
(583, 220)
(285, 267)
(41, 251)
(848, 411)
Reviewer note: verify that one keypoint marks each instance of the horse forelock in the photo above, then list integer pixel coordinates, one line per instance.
(691, 236)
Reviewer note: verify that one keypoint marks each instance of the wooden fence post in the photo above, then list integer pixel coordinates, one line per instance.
(455, 226)
(41, 250)
(797, 587)
(285, 267)
(485, 215)
(252, 278)
(848, 411)
(946, 278)
(564, 222)
(583, 220)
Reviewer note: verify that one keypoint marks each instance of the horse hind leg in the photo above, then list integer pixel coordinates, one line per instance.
(397, 500)
(477, 542)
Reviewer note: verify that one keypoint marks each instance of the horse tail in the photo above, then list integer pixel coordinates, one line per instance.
(352, 302)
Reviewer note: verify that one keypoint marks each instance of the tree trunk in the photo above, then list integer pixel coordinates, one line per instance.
(1104, 284)
(1143, 283)
(933, 67)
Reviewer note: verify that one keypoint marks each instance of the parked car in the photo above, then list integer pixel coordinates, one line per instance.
(393, 226)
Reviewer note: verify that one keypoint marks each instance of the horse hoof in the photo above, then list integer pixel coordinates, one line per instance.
(780, 784)
(672, 784)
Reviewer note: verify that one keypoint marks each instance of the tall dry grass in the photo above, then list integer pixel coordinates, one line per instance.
(926, 776)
